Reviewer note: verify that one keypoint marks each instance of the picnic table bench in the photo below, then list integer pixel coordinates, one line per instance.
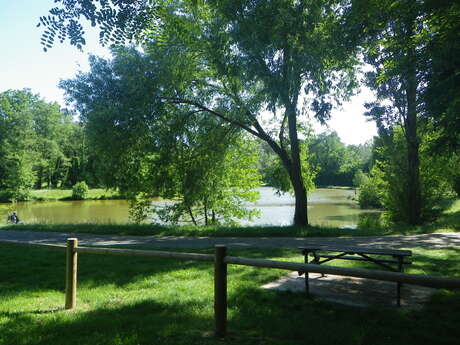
(390, 259)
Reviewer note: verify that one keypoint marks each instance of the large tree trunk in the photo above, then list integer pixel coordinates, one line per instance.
(413, 188)
(414, 192)
(293, 168)
(295, 173)
(301, 214)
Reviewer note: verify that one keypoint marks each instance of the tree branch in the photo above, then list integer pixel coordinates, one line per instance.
(215, 113)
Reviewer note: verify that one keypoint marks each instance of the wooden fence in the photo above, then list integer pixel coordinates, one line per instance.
(221, 260)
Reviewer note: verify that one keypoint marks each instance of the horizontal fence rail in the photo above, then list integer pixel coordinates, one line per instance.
(34, 244)
(414, 279)
(221, 260)
(147, 253)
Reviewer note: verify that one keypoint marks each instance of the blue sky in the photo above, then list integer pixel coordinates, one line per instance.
(24, 64)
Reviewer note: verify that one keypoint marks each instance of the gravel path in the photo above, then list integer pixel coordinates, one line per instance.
(438, 240)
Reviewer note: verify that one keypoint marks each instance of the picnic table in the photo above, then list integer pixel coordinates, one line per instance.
(389, 259)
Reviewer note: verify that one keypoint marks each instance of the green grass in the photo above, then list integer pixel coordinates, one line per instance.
(66, 194)
(134, 300)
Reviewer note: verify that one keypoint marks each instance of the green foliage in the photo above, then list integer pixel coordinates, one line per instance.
(201, 163)
(456, 184)
(371, 191)
(215, 187)
(139, 208)
(413, 48)
(394, 42)
(276, 176)
(17, 136)
(80, 191)
(359, 178)
(336, 163)
(442, 63)
(39, 146)
(199, 59)
(388, 181)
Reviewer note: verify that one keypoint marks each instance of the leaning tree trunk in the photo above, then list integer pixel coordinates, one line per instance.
(295, 172)
(301, 214)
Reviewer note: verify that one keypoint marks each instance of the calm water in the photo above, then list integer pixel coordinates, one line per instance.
(328, 207)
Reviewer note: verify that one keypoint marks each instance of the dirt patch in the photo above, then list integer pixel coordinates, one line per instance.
(353, 291)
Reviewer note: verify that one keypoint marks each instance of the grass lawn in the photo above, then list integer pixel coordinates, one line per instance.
(449, 221)
(134, 300)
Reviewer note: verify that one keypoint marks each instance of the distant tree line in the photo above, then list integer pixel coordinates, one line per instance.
(41, 146)
(330, 162)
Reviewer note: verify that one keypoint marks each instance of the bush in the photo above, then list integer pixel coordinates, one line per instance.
(359, 178)
(80, 190)
(369, 195)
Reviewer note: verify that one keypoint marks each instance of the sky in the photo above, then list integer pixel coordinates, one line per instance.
(24, 64)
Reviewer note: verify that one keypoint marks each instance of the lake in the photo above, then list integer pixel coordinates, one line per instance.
(327, 207)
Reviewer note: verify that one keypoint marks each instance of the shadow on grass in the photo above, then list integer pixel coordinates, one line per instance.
(255, 317)
(147, 322)
(298, 320)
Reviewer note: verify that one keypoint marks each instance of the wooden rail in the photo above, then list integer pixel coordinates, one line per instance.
(34, 244)
(414, 279)
(221, 260)
(147, 253)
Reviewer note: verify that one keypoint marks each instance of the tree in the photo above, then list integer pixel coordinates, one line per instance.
(16, 144)
(207, 168)
(212, 176)
(388, 179)
(52, 131)
(442, 61)
(394, 49)
(233, 60)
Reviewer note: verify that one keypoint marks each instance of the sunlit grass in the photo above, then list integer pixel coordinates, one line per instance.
(65, 194)
(134, 300)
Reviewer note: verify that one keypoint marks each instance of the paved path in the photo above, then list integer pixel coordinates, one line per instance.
(438, 240)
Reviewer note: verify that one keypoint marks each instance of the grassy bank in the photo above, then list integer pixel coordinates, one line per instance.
(133, 300)
(66, 194)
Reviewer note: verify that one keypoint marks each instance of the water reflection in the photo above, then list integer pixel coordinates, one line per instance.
(327, 207)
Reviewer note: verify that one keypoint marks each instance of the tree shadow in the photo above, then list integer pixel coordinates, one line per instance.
(146, 322)
(300, 320)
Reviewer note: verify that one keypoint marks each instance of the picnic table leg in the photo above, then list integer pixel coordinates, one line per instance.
(398, 285)
(307, 285)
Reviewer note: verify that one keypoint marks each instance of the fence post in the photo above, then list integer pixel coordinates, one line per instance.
(71, 274)
(220, 291)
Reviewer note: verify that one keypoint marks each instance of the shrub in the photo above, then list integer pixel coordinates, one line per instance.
(80, 190)
(369, 195)
(359, 178)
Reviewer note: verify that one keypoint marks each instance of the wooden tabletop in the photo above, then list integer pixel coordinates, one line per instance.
(358, 250)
